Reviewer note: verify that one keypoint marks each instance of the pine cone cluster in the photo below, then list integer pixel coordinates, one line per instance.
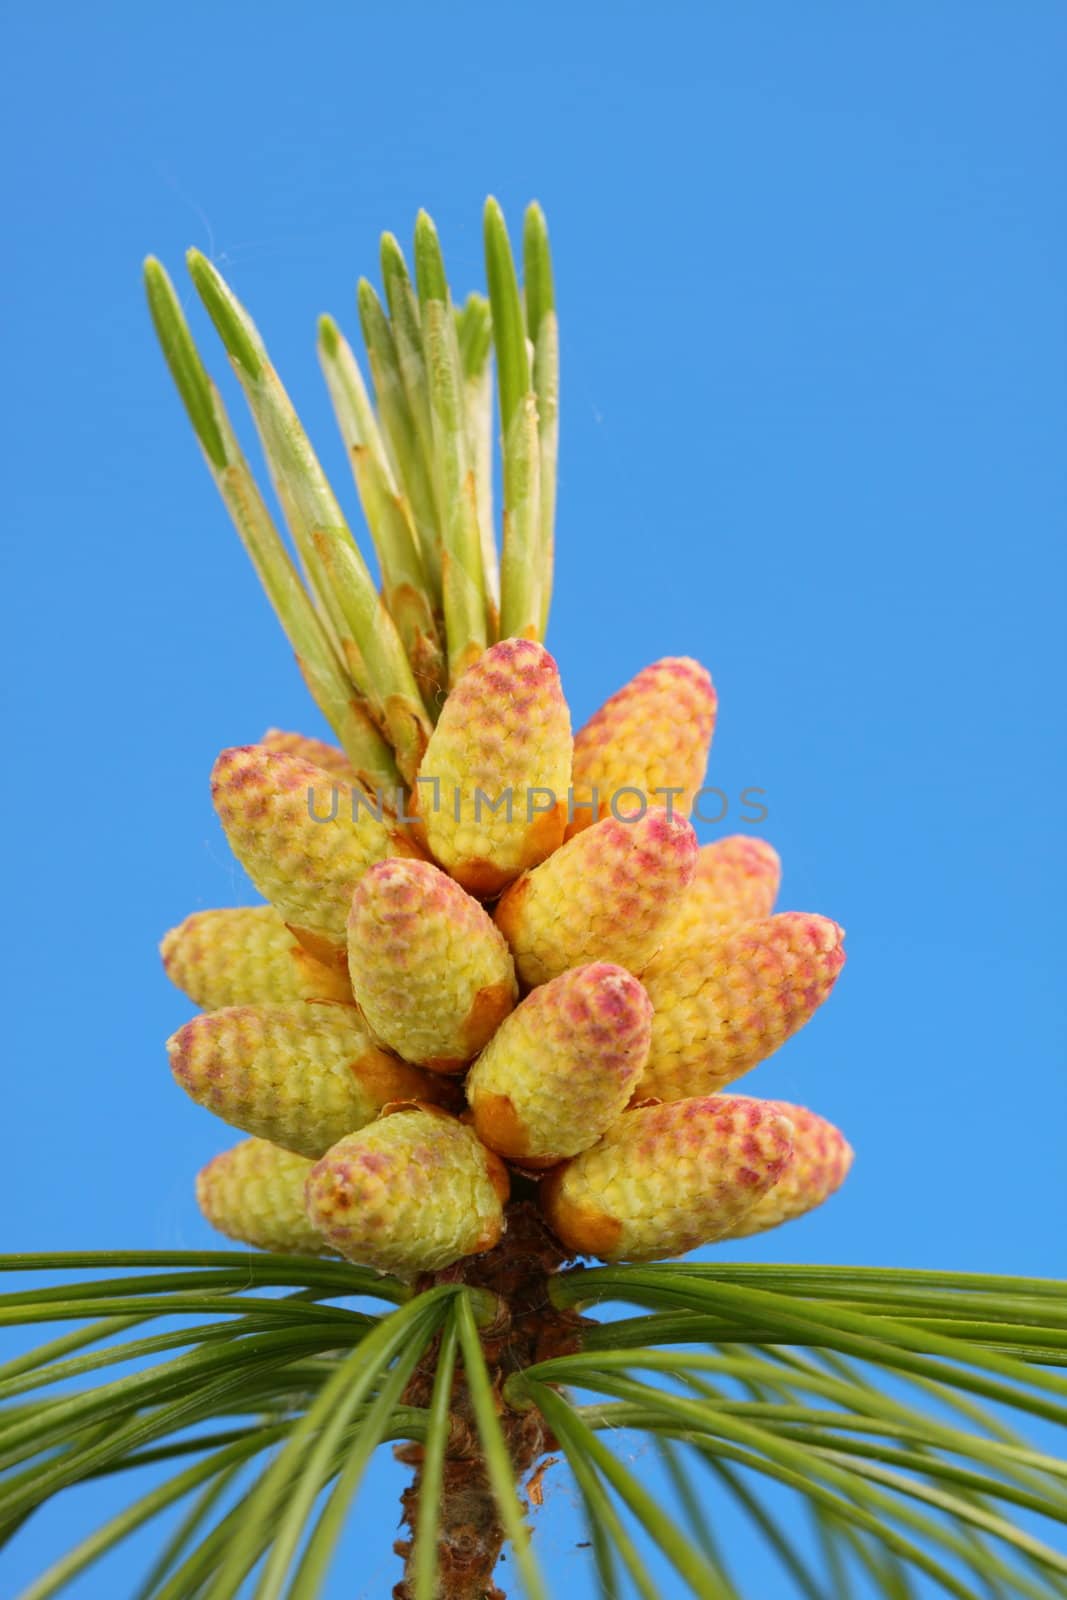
(523, 965)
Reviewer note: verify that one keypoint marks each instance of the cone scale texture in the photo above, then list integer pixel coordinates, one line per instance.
(243, 956)
(667, 1178)
(414, 1192)
(735, 880)
(254, 1193)
(317, 751)
(432, 975)
(651, 737)
(493, 783)
(562, 1067)
(821, 1160)
(724, 1003)
(610, 894)
(291, 826)
(299, 1075)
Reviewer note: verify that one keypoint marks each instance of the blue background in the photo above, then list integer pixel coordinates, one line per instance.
(810, 268)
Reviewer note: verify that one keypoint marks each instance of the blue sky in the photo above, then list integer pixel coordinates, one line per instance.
(810, 266)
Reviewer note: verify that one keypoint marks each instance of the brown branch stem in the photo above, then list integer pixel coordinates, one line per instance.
(529, 1329)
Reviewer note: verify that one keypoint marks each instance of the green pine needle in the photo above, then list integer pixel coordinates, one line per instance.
(183, 359)
(908, 1476)
(463, 581)
(363, 628)
(316, 651)
(542, 327)
(522, 580)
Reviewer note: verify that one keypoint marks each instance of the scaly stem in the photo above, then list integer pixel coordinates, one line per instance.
(470, 1534)
(470, 1529)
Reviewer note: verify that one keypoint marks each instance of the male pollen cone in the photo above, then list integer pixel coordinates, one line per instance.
(268, 803)
(822, 1157)
(563, 1066)
(492, 787)
(432, 975)
(724, 1003)
(653, 734)
(299, 1075)
(255, 1193)
(667, 1178)
(736, 880)
(244, 955)
(609, 894)
(413, 1192)
(317, 751)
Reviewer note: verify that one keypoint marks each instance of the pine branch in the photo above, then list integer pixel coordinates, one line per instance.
(898, 1486)
(879, 1399)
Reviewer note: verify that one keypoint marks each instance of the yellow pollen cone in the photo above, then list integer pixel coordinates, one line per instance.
(652, 735)
(667, 1178)
(822, 1158)
(562, 1067)
(736, 880)
(725, 1002)
(413, 1192)
(492, 788)
(317, 751)
(244, 955)
(291, 826)
(608, 895)
(431, 973)
(255, 1193)
(299, 1075)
